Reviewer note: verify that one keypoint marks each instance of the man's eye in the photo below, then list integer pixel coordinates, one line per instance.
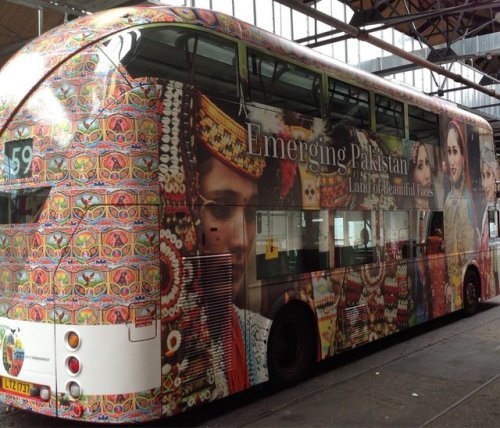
(220, 212)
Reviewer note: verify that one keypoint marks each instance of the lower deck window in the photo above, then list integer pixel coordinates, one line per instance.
(291, 242)
(396, 235)
(22, 206)
(353, 232)
(493, 222)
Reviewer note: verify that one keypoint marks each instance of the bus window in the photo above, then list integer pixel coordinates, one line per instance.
(282, 84)
(389, 115)
(4, 202)
(423, 125)
(208, 62)
(353, 236)
(396, 243)
(349, 104)
(23, 206)
(427, 233)
(291, 242)
(493, 223)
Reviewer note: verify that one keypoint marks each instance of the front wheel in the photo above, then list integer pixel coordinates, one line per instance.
(291, 346)
(472, 287)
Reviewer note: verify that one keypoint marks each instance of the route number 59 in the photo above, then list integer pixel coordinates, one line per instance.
(19, 156)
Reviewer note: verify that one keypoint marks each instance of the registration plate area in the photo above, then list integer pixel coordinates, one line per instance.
(17, 387)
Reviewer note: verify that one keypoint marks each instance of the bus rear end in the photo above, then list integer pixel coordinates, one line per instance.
(79, 234)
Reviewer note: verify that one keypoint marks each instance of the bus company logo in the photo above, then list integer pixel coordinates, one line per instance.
(12, 352)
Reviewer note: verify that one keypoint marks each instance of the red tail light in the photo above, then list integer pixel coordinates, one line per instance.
(73, 365)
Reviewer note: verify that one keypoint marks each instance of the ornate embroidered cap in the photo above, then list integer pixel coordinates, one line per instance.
(226, 139)
(488, 156)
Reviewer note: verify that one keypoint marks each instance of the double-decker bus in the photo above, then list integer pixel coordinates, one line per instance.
(191, 206)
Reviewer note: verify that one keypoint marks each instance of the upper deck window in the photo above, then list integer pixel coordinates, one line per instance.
(206, 61)
(424, 125)
(349, 104)
(282, 84)
(389, 116)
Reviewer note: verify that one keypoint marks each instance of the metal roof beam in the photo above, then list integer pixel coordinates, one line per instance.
(433, 13)
(364, 36)
(475, 47)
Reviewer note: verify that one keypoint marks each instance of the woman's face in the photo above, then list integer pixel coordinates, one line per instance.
(455, 156)
(228, 219)
(488, 182)
(422, 173)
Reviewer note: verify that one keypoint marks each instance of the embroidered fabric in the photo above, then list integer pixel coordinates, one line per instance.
(257, 329)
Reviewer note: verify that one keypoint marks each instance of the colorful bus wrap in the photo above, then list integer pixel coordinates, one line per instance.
(192, 206)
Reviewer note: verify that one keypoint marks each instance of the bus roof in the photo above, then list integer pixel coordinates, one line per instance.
(49, 51)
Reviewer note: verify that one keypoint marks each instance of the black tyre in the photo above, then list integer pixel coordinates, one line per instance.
(472, 287)
(291, 346)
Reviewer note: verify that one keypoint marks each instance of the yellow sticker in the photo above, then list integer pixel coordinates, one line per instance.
(272, 248)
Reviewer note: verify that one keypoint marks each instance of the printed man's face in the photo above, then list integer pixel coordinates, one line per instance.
(228, 216)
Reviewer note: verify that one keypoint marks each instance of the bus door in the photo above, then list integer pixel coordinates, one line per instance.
(224, 251)
(492, 271)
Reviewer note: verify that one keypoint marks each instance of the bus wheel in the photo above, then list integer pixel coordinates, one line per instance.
(471, 292)
(291, 346)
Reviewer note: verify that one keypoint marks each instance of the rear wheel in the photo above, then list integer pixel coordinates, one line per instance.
(291, 346)
(472, 289)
